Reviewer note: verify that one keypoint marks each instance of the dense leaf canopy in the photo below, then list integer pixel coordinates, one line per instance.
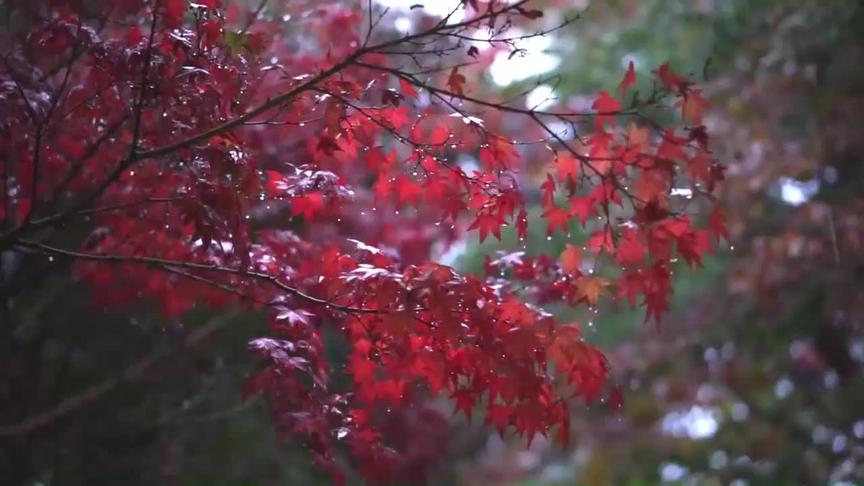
(199, 155)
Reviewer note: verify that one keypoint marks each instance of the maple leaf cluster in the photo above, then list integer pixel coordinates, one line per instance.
(215, 159)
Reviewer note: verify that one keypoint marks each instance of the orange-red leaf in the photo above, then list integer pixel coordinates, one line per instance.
(455, 81)
(692, 105)
(628, 81)
(591, 287)
(571, 259)
(606, 107)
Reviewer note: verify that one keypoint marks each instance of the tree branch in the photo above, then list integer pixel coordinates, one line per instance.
(169, 264)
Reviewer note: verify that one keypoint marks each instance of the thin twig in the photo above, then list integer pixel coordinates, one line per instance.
(251, 20)
(833, 231)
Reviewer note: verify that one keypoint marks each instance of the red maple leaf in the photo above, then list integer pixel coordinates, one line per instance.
(631, 249)
(566, 167)
(488, 223)
(455, 81)
(583, 207)
(498, 153)
(547, 190)
(407, 88)
(692, 105)
(464, 402)
(522, 224)
(439, 135)
(628, 81)
(407, 190)
(602, 241)
(671, 81)
(556, 218)
(717, 222)
(606, 107)
(174, 10)
(396, 117)
(499, 416)
(571, 259)
(308, 205)
(630, 286)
